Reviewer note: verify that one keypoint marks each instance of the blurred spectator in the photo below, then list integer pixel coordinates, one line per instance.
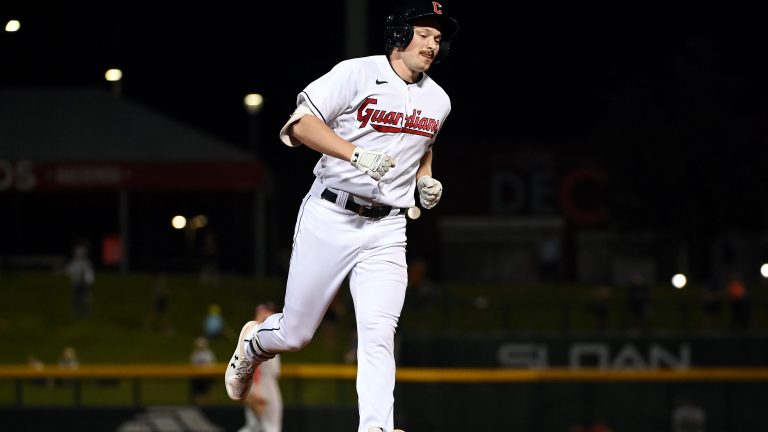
(638, 302)
(420, 288)
(712, 303)
(597, 426)
(549, 259)
(158, 317)
(35, 363)
(264, 403)
(738, 301)
(69, 358)
(202, 355)
(688, 416)
(214, 325)
(81, 275)
(599, 305)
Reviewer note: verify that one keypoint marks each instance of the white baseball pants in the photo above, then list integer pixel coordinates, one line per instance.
(330, 243)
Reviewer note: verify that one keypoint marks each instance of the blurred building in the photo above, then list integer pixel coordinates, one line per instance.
(84, 164)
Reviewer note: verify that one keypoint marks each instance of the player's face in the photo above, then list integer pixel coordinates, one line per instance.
(425, 44)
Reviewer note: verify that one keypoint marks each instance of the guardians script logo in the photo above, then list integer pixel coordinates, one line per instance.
(393, 121)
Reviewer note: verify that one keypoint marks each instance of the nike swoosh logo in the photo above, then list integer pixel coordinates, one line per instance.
(381, 82)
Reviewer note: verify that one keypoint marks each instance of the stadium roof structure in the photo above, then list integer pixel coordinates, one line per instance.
(91, 140)
(87, 138)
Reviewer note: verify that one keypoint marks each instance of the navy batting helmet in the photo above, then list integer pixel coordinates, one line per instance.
(398, 30)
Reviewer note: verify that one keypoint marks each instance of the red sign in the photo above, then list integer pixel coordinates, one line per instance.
(111, 249)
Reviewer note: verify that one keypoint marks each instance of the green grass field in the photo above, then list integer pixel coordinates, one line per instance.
(36, 320)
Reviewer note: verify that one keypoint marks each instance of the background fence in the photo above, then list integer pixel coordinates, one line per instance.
(118, 397)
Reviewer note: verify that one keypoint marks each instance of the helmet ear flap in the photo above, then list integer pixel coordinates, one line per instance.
(397, 34)
(407, 35)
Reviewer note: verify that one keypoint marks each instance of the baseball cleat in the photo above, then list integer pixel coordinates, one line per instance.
(239, 376)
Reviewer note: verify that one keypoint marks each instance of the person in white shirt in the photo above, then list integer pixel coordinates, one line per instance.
(81, 275)
(264, 403)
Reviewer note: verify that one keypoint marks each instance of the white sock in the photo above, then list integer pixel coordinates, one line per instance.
(254, 351)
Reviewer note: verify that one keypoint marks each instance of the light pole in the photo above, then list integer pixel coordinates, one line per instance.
(115, 76)
(253, 103)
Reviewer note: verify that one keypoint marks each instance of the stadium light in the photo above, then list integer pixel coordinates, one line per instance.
(679, 281)
(179, 222)
(764, 270)
(113, 75)
(12, 26)
(253, 102)
(115, 78)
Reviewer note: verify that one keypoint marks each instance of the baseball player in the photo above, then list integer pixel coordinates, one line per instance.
(374, 120)
(264, 403)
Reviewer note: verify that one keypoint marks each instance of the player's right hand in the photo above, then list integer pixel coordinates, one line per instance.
(373, 163)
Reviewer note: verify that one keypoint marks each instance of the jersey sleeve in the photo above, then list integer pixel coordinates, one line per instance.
(331, 94)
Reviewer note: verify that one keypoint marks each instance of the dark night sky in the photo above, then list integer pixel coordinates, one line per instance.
(673, 97)
(549, 69)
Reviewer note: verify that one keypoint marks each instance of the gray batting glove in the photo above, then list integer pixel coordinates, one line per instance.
(430, 191)
(373, 163)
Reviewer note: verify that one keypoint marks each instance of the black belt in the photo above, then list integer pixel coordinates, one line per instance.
(351, 205)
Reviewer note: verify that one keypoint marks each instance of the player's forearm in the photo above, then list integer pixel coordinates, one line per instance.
(425, 166)
(316, 135)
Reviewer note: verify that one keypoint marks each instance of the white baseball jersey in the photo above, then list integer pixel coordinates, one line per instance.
(364, 101)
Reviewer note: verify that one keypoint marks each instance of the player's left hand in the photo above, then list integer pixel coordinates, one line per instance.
(430, 191)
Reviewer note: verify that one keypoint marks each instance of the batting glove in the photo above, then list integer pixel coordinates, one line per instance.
(430, 191)
(373, 163)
